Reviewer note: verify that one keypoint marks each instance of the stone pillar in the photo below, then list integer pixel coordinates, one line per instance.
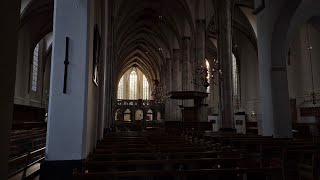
(67, 142)
(169, 74)
(168, 105)
(133, 116)
(225, 58)
(10, 17)
(272, 47)
(176, 82)
(201, 45)
(109, 101)
(111, 77)
(22, 85)
(121, 115)
(144, 116)
(186, 73)
(154, 115)
(104, 70)
(185, 60)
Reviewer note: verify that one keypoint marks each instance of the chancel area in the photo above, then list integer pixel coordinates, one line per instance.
(160, 89)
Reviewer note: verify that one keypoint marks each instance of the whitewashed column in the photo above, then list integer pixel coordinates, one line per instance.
(276, 116)
(67, 142)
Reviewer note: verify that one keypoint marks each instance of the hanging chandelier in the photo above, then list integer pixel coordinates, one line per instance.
(314, 97)
(215, 72)
(200, 76)
(159, 92)
(206, 74)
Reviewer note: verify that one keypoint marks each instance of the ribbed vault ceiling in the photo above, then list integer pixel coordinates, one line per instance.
(146, 31)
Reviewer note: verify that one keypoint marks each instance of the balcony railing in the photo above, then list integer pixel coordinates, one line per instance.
(139, 102)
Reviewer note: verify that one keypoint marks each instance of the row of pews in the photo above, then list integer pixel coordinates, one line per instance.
(136, 125)
(159, 155)
(298, 158)
(27, 146)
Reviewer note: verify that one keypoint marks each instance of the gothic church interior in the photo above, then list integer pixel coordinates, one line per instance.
(160, 89)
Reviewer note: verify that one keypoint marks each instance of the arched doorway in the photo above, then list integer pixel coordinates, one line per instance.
(127, 115)
(139, 115)
(158, 116)
(149, 115)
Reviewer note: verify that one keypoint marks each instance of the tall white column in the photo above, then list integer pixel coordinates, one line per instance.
(276, 120)
(67, 112)
(9, 14)
(67, 142)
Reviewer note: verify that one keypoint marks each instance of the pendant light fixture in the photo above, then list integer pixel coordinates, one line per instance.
(314, 96)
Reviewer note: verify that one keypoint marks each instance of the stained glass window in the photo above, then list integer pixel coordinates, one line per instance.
(120, 89)
(133, 85)
(35, 67)
(235, 75)
(145, 87)
(208, 76)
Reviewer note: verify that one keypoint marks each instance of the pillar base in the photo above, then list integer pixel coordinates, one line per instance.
(228, 130)
(53, 170)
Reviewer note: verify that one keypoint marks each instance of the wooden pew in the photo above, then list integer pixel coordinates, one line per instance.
(310, 170)
(24, 142)
(239, 173)
(209, 162)
(144, 154)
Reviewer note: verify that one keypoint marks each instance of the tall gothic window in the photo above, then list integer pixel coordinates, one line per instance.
(208, 76)
(35, 67)
(120, 89)
(235, 75)
(133, 85)
(145, 87)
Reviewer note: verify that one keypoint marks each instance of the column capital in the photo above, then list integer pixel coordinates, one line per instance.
(186, 38)
(203, 21)
(174, 52)
(278, 69)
